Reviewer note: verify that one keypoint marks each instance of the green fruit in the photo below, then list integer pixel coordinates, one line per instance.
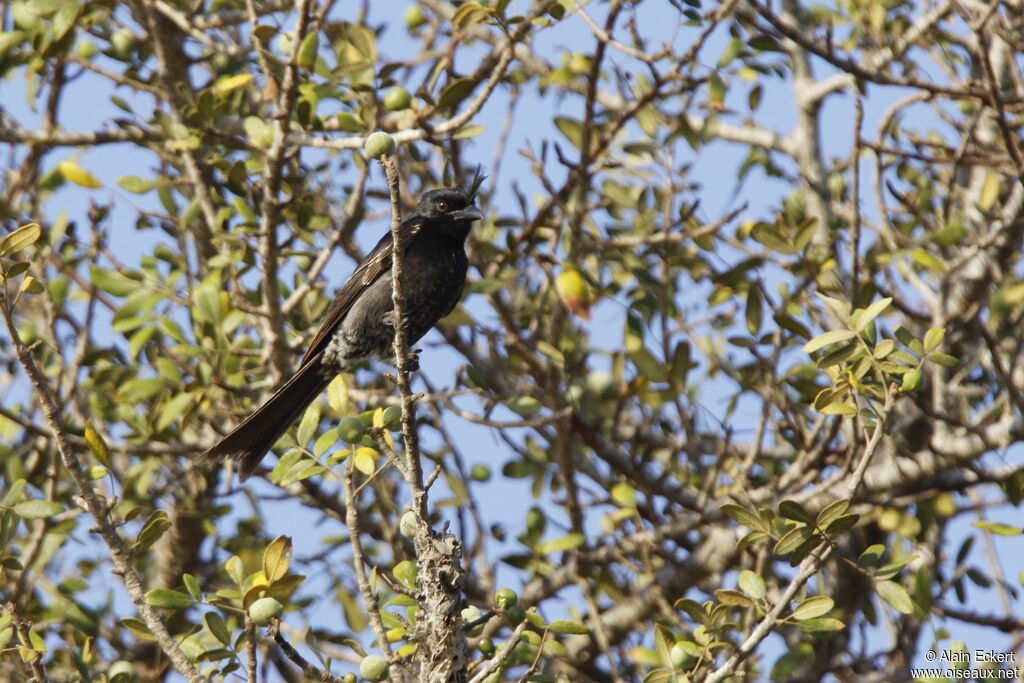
(486, 646)
(351, 430)
(407, 525)
(392, 415)
(85, 48)
(121, 668)
(505, 598)
(373, 668)
(480, 472)
(524, 405)
(263, 610)
(397, 99)
(349, 678)
(600, 383)
(122, 42)
(515, 615)
(379, 144)
(414, 16)
(911, 380)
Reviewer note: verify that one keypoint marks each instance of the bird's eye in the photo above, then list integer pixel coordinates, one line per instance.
(441, 206)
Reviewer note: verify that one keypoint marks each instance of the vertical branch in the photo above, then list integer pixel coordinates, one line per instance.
(270, 206)
(855, 192)
(358, 560)
(440, 576)
(119, 554)
(413, 470)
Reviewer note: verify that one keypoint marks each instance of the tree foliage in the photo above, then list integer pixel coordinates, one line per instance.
(747, 424)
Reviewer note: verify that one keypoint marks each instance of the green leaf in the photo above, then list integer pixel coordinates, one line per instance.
(156, 526)
(792, 540)
(896, 595)
(754, 312)
(933, 338)
(14, 493)
(468, 132)
(406, 572)
(568, 627)
(840, 309)
(308, 424)
(571, 129)
(215, 624)
(884, 348)
(37, 509)
(22, 238)
(138, 628)
(871, 312)
(308, 50)
(171, 599)
(1000, 529)
(733, 598)
(831, 512)
(828, 625)
(663, 640)
(470, 13)
(174, 409)
(192, 586)
(743, 516)
(841, 524)
(134, 184)
(871, 556)
(112, 282)
(752, 584)
(659, 676)
(943, 359)
(813, 607)
(455, 92)
(567, 542)
(790, 509)
(828, 338)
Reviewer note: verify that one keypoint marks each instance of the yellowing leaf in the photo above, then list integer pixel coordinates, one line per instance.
(22, 238)
(365, 460)
(823, 340)
(989, 191)
(78, 175)
(276, 558)
(229, 83)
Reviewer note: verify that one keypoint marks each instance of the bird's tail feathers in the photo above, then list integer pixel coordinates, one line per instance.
(255, 435)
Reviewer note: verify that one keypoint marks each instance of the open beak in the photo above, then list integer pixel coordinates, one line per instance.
(469, 214)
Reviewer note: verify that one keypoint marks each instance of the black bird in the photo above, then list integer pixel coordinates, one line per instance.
(359, 322)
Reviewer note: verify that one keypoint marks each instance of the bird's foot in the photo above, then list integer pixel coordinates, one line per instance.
(412, 360)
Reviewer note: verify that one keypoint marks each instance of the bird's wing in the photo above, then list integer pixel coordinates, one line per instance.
(376, 264)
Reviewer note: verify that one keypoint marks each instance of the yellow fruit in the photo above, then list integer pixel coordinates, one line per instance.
(575, 293)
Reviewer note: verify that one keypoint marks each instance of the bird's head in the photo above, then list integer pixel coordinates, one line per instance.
(451, 204)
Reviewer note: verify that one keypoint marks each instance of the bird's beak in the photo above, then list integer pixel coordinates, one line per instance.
(469, 214)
